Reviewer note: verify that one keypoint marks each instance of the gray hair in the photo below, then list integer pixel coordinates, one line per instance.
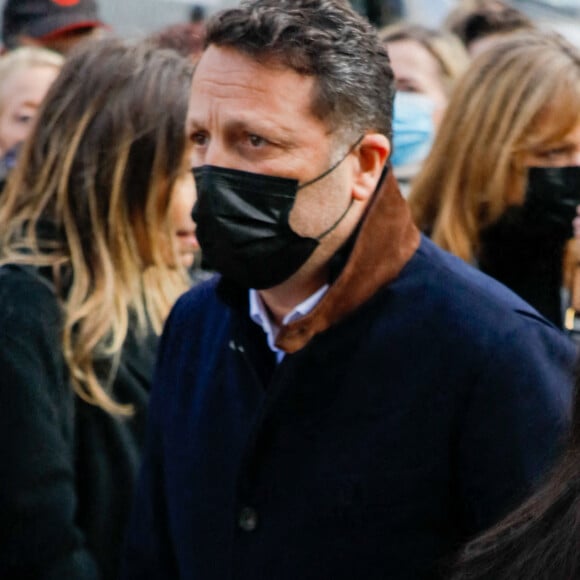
(325, 39)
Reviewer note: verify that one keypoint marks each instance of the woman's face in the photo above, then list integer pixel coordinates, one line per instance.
(562, 153)
(20, 96)
(538, 151)
(416, 70)
(181, 226)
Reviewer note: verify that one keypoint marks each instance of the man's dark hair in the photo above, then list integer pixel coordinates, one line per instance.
(322, 38)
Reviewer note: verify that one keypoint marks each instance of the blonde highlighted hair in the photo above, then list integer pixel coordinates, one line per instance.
(518, 97)
(24, 58)
(89, 198)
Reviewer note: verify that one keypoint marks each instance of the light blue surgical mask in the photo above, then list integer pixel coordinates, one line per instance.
(413, 128)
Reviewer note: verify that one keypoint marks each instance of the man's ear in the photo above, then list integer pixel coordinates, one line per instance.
(372, 154)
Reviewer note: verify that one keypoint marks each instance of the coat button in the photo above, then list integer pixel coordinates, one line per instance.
(248, 519)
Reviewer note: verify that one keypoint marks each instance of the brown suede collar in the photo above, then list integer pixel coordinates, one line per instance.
(386, 241)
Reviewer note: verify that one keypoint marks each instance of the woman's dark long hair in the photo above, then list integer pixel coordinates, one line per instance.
(541, 539)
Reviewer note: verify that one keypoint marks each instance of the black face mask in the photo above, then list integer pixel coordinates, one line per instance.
(552, 195)
(242, 225)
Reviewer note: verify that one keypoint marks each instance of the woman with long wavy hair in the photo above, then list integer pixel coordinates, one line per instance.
(89, 270)
(506, 155)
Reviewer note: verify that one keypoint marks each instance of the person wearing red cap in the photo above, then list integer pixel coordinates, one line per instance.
(54, 24)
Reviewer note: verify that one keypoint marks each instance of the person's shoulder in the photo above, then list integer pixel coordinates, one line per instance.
(24, 291)
(483, 328)
(199, 308)
(197, 328)
(24, 277)
(463, 287)
(30, 316)
(464, 306)
(201, 296)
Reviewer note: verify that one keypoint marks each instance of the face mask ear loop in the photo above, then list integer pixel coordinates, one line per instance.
(335, 224)
(332, 227)
(323, 175)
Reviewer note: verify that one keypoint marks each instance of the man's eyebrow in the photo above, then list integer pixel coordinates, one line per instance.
(31, 103)
(192, 124)
(251, 126)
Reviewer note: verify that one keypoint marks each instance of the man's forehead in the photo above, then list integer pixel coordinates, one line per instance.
(235, 80)
(223, 64)
(222, 61)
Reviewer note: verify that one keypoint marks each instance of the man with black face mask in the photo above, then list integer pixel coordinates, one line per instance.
(345, 400)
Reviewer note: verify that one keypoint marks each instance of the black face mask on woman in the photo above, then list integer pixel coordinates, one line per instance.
(552, 195)
(243, 224)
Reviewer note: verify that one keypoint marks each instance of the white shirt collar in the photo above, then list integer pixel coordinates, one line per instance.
(259, 314)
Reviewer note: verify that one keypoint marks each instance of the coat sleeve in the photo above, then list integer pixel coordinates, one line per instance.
(38, 535)
(148, 553)
(515, 422)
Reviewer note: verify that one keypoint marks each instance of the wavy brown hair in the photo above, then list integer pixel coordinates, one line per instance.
(89, 197)
(519, 96)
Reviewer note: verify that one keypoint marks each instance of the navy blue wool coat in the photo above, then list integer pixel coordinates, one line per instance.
(373, 451)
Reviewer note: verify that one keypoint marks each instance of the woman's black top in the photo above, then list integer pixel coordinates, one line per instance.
(67, 468)
(527, 257)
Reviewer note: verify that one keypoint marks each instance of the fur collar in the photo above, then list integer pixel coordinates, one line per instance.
(386, 241)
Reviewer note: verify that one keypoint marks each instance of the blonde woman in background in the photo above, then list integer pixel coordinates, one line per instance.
(426, 64)
(90, 268)
(25, 77)
(500, 186)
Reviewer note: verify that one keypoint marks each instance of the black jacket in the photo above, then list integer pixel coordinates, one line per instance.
(527, 257)
(67, 469)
